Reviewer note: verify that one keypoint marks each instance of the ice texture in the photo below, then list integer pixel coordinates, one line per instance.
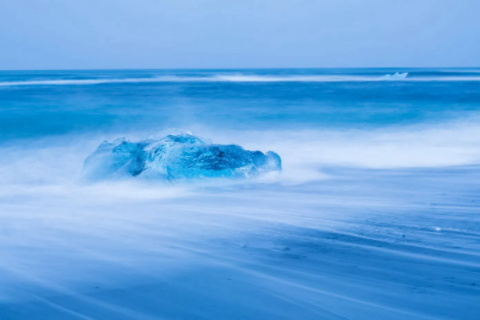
(176, 157)
(395, 76)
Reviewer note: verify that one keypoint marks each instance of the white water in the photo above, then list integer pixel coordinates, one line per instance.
(233, 78)
(362, 225)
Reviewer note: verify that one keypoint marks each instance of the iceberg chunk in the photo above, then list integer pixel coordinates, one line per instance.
(176, 157)
(395, 76)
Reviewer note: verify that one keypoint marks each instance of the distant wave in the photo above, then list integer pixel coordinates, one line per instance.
(395, 76)
(334, 78)
(81, 82)
(232, 78)
(215, 78)
(306, 78)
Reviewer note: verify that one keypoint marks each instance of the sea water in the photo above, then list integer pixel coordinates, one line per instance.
(375, 214)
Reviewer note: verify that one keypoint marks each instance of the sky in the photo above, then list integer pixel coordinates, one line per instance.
(130, 34)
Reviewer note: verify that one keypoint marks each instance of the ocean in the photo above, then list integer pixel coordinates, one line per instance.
(376, 214)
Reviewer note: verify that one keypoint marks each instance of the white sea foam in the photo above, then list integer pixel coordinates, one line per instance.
(231, 78)
(362, 243)
(395, 76)
(366, 242)
(304, 153)
(84, 81)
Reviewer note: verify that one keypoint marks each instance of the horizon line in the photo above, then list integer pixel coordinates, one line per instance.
(246, 68)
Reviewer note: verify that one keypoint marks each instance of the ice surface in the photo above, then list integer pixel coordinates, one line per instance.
(176, 157)
(395, 76)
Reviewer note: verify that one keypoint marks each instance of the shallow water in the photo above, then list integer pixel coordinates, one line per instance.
(375, 216)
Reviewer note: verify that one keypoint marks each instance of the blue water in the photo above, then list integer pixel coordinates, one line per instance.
(41, 103)
(375, 215)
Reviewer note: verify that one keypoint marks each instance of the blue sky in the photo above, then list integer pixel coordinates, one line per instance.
(92, 34)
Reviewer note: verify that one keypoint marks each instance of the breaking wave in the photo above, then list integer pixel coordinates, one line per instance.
(233, 78)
